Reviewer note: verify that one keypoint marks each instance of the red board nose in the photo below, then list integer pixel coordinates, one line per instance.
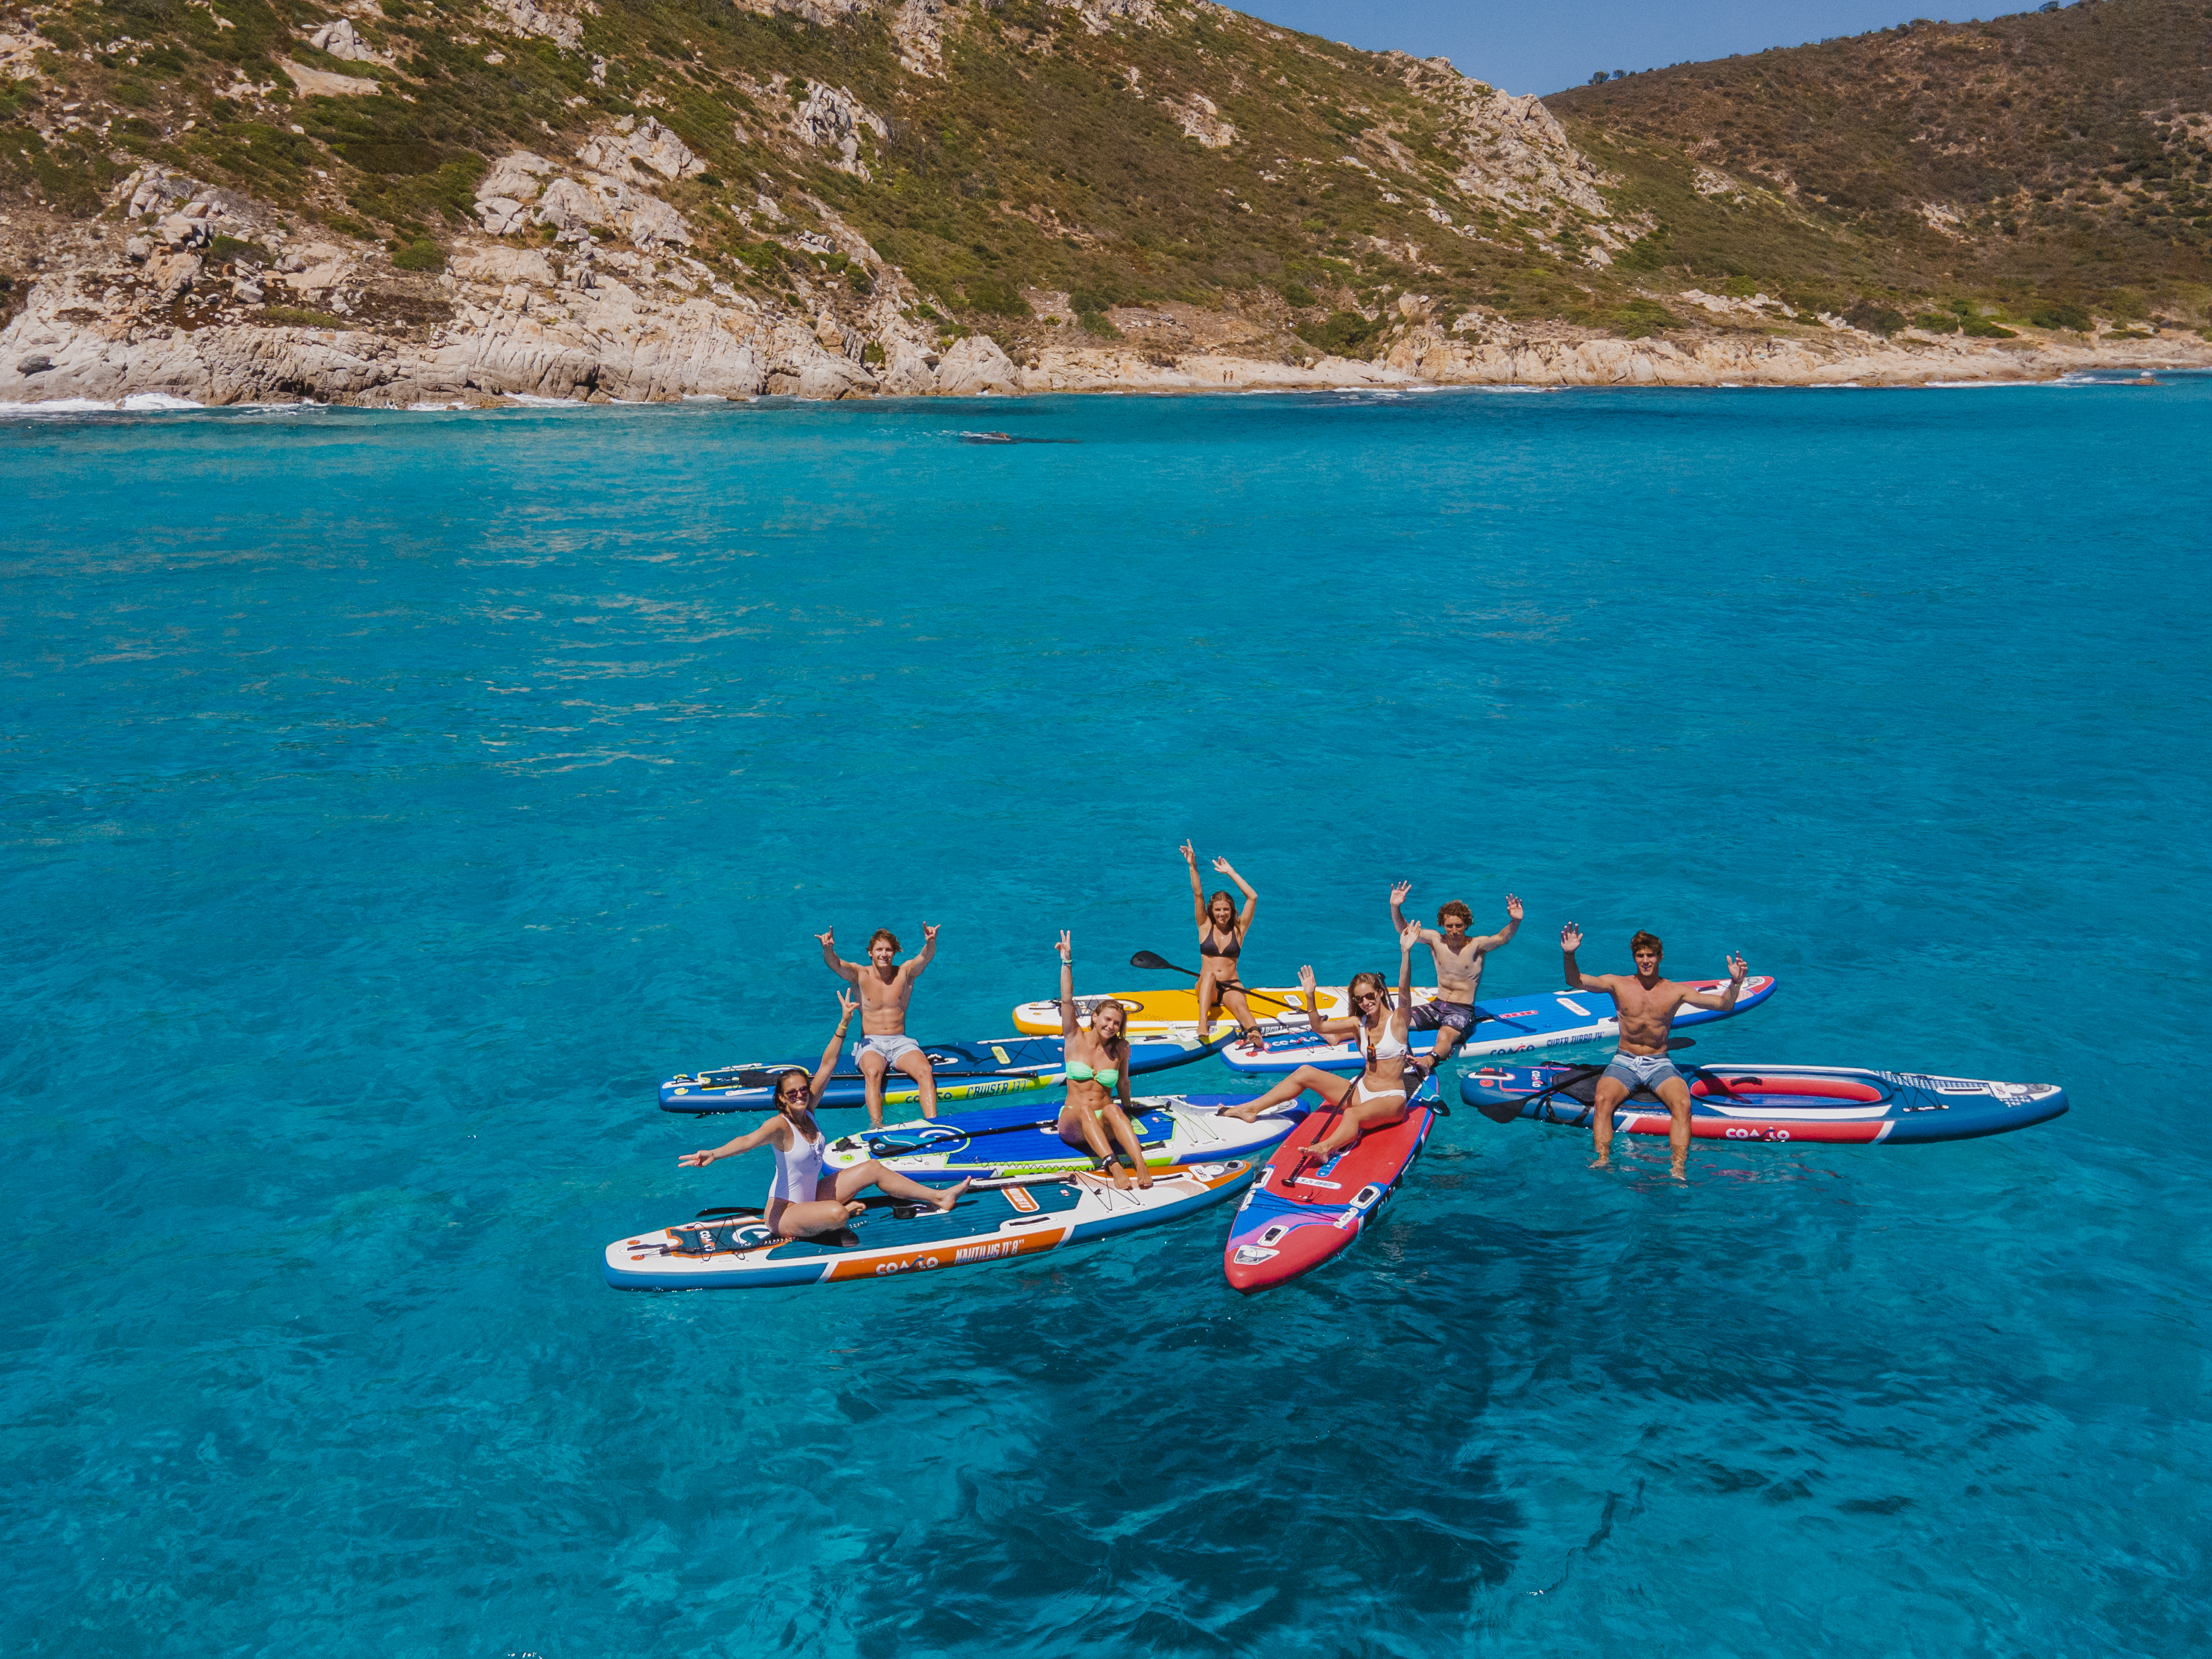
(1300, 1250)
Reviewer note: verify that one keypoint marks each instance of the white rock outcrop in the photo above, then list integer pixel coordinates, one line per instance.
(831, 118)
(339, 39)
(977, 365)
(529, 17)
(1202, 120)
(647, 143)
(321, 83)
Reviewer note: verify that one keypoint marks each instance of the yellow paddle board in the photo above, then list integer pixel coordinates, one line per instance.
(1153, 1013)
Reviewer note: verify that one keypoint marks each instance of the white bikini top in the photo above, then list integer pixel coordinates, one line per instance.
(1389, 1045)
(798, 1171)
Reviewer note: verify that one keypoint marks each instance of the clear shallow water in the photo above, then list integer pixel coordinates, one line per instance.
(389, 800)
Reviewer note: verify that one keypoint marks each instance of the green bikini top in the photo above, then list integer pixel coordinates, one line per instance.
(1079, 1073)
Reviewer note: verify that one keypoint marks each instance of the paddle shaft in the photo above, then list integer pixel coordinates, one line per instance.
(1158, 961)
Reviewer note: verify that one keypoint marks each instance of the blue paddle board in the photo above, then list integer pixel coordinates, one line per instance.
(964, 1071)
(1504, 1026)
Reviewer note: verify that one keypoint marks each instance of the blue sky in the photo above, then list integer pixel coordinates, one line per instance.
(1544, 48)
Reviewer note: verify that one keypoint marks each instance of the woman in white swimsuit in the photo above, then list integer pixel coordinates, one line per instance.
(1098, 1110)
(1377, 1097)
(1221, 931)
(805, 1198)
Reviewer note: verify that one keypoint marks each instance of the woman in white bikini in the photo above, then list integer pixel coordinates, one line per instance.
(1377, 1097)
(805, 1198)
(1098, 1110)
(1221, 933)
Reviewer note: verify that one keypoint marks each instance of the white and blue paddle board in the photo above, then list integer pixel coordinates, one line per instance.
(1504, 1026)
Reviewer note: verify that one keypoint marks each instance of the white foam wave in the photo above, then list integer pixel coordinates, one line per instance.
(153, 403)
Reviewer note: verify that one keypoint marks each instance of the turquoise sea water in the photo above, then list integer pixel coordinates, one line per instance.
(389, 800)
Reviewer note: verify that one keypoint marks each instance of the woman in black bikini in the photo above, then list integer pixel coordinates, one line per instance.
(1221, 935)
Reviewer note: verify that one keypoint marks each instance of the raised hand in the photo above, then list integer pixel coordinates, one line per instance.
(1737, 969)
(1306, 981)
(1222, 865)
(1570, 936)
(1190, 856)
(1066, 945)
(1398, 893)
(847, 1002)
(928, 934)
(827, 940)
(1410, 937)
(1513, 906)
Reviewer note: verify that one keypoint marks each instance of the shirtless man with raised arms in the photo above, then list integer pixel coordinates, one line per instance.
(883, 992)
(1459, 970)
(1647, 1005)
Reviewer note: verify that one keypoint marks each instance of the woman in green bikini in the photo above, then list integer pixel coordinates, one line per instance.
(1097, 1113)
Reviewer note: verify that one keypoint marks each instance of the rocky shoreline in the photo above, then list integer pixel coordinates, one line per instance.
(198, 294)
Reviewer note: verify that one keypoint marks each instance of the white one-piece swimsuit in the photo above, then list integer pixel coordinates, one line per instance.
(798, 1171)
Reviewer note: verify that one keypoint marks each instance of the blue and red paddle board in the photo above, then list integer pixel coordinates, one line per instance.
(1299, 1214)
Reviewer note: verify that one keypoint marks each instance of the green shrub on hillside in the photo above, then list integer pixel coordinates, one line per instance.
(2061, 316)
(1640, 318)
(1981, 328)
(1937, 322)
(1873, 319)
(424, 255)
(1344, 334)
(1299, 296)
(994, 294)
(1096, 322)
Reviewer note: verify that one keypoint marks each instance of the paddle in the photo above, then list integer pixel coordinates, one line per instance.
(1582, 1073)
(1161, 964)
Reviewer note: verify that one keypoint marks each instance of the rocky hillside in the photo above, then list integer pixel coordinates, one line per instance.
(404, 200)
(2057, 161)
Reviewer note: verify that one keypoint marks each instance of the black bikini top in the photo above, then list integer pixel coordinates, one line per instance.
(1208, 949)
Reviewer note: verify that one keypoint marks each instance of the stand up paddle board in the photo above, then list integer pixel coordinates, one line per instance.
(1504, 1026)
(731, 1250)
(1014, 1139)
(1300, 1214)
(1174, 1011)
(965, 1071)
(1780, 1103)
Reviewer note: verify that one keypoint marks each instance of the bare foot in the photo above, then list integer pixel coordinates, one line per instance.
(1242, 1114)
(951, 1195)
(1605, 1163)
(1143, 1175)
(854, 1206)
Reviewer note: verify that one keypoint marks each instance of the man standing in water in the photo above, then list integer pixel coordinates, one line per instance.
(1459, 968)
(884, 991)
(1646, 1004)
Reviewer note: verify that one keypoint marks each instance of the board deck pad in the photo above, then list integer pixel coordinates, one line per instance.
(1780, 1103)
(1543, 1019)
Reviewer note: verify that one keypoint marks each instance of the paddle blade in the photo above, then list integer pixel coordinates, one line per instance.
(1148, 959)
(1681, 1042)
